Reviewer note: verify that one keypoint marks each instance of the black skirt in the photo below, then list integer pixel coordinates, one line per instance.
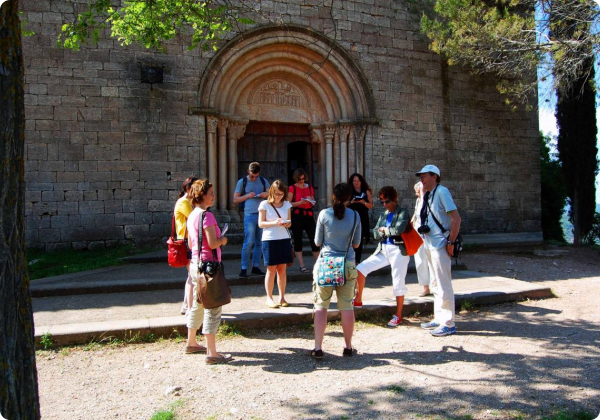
(277, 252)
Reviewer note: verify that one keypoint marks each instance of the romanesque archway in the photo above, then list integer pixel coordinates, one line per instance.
(285, 74)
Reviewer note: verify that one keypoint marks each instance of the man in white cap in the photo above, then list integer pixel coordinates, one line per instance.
(440, 223)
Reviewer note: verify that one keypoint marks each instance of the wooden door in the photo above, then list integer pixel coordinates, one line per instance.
(267, 144)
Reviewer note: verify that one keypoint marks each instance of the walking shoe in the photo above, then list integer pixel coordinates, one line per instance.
(442, 331)
(356, 304)
(256, 270)
(395, 321)
(243, 274)
(430, 325)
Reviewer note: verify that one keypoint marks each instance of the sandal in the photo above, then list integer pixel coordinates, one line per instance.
(304, 270)
(317, 354)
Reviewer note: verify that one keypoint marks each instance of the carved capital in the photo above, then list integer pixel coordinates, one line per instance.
(236, 130)
(360, 131)
(211, 124)
(329, 133)
(344, 131)
(223, 124)
(316, 135)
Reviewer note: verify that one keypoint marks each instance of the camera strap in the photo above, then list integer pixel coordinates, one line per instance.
(200, 238)
(433, 215)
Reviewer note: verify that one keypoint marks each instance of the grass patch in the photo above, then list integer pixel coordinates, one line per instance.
(228, 330)
(163, 415)
(55, 263)
(46, 341)
(569, 415)
(396, 389)
(466, 305)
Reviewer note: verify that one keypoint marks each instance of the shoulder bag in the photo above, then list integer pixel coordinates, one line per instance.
(291, 239)
(457, 242)
(213, 290)
(177, 249)
(332, 268)
(412, 240)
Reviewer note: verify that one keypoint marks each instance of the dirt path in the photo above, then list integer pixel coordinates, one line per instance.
(522, 360)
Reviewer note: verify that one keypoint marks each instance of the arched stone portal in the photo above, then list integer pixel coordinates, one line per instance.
(285, 74)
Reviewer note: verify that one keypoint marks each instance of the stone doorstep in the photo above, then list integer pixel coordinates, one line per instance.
(168, 327)
(68, 288)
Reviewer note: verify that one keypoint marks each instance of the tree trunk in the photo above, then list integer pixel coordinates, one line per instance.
(18, 374)
(576, 120)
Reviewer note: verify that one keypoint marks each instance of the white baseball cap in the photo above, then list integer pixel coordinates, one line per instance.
(429, 168)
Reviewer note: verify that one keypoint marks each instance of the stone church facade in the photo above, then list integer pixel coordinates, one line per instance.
(341, 87)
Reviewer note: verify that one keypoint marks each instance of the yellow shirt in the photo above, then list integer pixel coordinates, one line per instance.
(183, 208)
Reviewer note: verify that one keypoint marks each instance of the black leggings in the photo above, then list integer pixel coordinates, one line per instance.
(303, 223)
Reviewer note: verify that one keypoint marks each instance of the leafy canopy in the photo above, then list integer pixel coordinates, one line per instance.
(152, 22)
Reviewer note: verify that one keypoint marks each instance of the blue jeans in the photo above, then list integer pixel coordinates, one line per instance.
(252, 236)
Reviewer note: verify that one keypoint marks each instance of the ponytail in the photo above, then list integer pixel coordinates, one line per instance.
(341, 194)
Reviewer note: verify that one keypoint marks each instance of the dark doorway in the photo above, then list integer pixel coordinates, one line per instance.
(279, 148)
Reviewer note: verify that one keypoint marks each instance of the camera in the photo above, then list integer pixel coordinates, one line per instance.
(423, 229)
(209, 267)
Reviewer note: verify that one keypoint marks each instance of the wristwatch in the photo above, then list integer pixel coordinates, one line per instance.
(450, 242)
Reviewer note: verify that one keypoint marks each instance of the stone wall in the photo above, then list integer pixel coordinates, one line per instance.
(105, 154)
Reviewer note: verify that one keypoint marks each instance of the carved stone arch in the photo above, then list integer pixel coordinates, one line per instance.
(315, 62)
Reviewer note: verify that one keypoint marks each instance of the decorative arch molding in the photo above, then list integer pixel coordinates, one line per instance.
(288, 74)
(317, 64)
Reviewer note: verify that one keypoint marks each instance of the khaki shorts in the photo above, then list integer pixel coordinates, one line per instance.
(344, 294)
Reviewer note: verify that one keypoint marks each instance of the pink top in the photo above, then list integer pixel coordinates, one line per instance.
(302, 193)
(192, 227)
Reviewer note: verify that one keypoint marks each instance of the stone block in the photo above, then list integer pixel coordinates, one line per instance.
(135, 206)
(69, 176)
(70, 152)
(124, 218)
(160, 205)
(113, 206)
(110, 138)
(143, 218)
(37, 151)
(84, 138)
(137, 231)
(59, 222)
(91, 207)
(102, 152)
(103, 176)
(125, 176)
(53, 196)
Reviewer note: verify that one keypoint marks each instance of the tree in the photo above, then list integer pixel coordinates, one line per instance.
(516, 39)
(19, 392)
(554, 193)
(147, 22)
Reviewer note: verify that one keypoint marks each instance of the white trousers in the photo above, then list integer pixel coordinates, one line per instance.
(422, 266)
(389, 255)
(440, 264)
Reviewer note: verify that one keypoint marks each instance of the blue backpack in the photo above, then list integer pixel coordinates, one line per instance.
(242, 205)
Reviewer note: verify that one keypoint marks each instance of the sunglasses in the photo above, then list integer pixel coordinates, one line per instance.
(385, 201)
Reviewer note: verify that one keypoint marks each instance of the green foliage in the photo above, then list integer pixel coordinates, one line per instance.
(554, 192)
(151, 23)
(163, 415)
(396, 389)
(228, 330)
(593, 236)
(466, 305)
(46, 341)
(569, 415)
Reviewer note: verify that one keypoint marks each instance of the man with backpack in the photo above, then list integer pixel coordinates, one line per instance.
(249, 192)
(440, 223)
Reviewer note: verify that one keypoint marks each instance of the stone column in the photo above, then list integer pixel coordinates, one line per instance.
(329, 136)
(352, 151)
(316, 135)
(344, 131)
(221, 199)
(337, 174)
(361, 131)
(211, 126)
(236, 131)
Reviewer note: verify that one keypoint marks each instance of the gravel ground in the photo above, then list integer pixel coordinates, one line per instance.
(513, 361)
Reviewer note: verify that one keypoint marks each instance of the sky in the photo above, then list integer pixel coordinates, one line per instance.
(548, 126)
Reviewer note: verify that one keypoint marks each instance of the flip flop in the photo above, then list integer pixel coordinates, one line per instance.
(304, 270)
(219, 360)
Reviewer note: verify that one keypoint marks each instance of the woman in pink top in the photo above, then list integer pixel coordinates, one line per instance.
(202, 197)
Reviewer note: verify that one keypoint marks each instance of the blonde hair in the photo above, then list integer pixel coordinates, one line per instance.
(418, 188)
(277, 185)
(198, 190)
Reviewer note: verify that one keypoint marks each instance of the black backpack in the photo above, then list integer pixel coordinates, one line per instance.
(242, 205)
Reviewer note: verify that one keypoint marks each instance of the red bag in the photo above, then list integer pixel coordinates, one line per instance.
(412, 239)
(177, 250)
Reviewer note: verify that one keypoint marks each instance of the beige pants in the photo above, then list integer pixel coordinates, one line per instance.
(208, 318)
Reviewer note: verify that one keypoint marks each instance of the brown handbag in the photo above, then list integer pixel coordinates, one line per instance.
(213, 289)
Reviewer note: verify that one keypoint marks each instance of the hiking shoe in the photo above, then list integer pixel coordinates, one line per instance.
(394, 322)
(243, 274)
(349, 352)
(442, 331)
(256, 270)
(356, 304)
(430, 325)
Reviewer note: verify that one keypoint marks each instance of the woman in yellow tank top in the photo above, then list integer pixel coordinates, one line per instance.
(183, 208)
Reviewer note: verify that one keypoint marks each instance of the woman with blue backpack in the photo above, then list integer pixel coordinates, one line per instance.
(338, 233)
